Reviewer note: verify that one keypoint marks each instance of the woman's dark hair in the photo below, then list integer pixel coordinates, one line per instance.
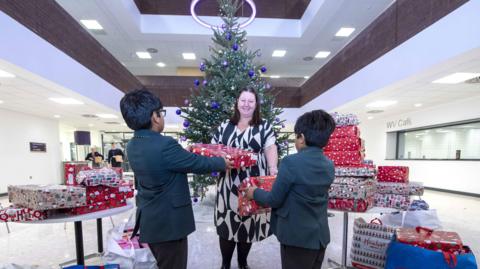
(137, 107)
(256, 119)
(316, 126)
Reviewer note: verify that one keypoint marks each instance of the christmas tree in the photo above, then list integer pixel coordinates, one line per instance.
(231, 67)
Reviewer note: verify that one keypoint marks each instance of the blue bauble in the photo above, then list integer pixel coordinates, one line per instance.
(228, 36)
(214, 105)
(195, 199)
(196, 82)
(225, 63)
(263, 69)
(202, 67)
(277, 119)
(251, 73)
(186, 123)
(178, 111)
(205, 82)
(186, 102)
(214, 174)
(235, 47)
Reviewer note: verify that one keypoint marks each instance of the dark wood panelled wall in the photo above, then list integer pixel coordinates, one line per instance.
(398, 23)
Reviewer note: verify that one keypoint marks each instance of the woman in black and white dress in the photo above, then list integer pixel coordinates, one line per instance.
(245, 130)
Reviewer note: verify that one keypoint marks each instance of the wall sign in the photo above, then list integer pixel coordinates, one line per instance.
(399, 123)
(38, 147)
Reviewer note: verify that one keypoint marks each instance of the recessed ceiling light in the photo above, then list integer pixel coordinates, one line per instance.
(345, 31)
(418, 105)
(1, 101)
(381, 103)
(279, 53)
(66, 101)
(56, 116)
(5, 74)
(306, 77)
(161, 64)
(143, 55)
(456, 78)
(322, 54)
(189, 56)
(92, 24)
(275, 76)
(370, 118)
(106, 116)
(90, 125)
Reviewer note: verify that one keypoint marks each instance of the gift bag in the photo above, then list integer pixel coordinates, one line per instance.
(370, 242)
(98, 159)
(412, 219)
(406, 256)
(118, 158)
(126, 252)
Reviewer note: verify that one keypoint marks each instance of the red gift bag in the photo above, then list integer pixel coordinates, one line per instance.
(248, 207)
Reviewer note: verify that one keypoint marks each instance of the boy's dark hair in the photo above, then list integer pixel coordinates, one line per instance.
(137, 107)
(316, 126)
(256, 119)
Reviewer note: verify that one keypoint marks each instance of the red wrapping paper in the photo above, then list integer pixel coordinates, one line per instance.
(346, 131)
(250, 207)
(398, 174)
(345, 144)
(16, 214)
(240, 157)
(429, 239)
(70, 172)
(353, 205)
(345, 158)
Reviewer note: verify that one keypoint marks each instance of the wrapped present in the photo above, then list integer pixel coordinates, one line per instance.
(352, 188)
(345, 144)
(430, 239)
(393, 188)
(345, 119)
(16, 214)
(393, 174)
(364, 259)
(97, 206)
(358, 171)
(248, 207)
(103, 176)
(345, 158)
(45, 197)
(241, 158)
(416, 188)
(397, 201)
(346, 131)
(70, 171)
(353, 205)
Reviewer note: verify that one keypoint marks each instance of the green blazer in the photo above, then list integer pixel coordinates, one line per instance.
(160, 164)
(299, 199)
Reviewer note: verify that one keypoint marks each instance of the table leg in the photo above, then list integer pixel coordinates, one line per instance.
(100, 235)
(345, 239)
(79, 243)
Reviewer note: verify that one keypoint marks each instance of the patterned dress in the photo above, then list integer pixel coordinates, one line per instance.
(230, 225)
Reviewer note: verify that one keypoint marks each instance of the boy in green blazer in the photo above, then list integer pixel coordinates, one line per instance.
(299, 196)
(164, 209)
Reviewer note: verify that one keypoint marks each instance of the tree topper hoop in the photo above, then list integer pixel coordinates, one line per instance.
(207, 25)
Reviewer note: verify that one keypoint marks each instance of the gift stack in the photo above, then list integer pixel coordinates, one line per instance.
(248, 207)
(354, 186)
(241, 158)
(393, 188)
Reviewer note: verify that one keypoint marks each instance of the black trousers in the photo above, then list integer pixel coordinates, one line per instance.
(171, 254)
(301, 258)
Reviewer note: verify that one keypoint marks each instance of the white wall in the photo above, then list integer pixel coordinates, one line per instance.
(451, 175)
(17, 164)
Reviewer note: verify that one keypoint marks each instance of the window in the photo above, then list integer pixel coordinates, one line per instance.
(448, 142)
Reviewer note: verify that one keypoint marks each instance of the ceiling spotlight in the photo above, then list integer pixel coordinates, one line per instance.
(279, 53)
(381, 103)
(161, 64)
(418, 105)
(1, 101)
(456, 78)
(189, 56)
(306, 77)
(92, 24)
(66, 101)
(143, 55)
(106, 116)
(322, 54)
(345, 32)
(370, 118)
(90, 125)
(56, 116)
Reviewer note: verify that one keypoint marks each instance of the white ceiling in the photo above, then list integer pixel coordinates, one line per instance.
(123, 38)
(419, 89)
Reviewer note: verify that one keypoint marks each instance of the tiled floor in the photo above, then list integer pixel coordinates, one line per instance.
(48, 245)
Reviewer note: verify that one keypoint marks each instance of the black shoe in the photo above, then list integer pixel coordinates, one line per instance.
(244, 267)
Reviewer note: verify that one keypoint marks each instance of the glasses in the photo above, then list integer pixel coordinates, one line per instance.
(161, 112)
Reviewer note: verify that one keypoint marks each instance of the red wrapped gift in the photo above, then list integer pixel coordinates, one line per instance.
(345, 144)
(346, 131)
(353, 205)
(98, 206)
(70, 171)
(250, 207)
(15, 214)
(240, 157)
(393, 174)
(345, 158)
(429, 239)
